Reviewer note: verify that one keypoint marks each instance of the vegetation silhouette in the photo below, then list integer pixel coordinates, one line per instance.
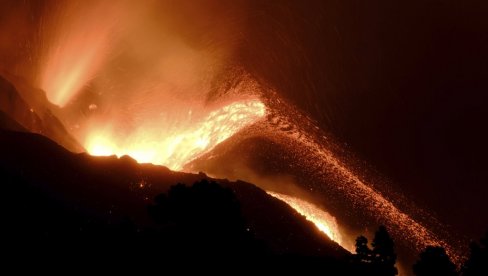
(384, 257)
(434, 261)
(380, 260)
(477, 263)
(363, 252)
(204, 218)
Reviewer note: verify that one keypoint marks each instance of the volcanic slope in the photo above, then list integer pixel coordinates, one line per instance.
(31, 110)
(112, 190)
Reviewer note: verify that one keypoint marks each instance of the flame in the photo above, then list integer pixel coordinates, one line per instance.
(323, 220)
(176, 149)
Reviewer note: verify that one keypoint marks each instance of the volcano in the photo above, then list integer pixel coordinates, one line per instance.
(58, 187)
(246, 130)
(113, 189)
(110, 190)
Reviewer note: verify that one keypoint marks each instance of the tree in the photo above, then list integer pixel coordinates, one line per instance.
(383, 254)
(204, 218)
(379, 261)
(363, 253)
(434, 261)
(477, 264)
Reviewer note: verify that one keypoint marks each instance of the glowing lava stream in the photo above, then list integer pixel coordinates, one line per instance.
(323, 220)
(177, 149)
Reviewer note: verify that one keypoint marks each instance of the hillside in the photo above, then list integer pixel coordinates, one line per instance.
(110, 191)
(31, 110)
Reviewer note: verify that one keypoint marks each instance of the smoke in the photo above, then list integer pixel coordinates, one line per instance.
(120, 53)
(124, 68)
(18, 21)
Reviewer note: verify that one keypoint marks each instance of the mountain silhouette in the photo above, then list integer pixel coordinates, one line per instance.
(112, 190)
(33, 114)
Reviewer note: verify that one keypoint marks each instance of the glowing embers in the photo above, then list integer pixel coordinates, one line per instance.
(323, 220)
(314, 152)
(176, 148)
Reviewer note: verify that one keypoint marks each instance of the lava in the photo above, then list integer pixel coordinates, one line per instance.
(174, 150)
(323, 220)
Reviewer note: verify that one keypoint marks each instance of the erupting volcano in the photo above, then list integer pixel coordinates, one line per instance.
(176, 85)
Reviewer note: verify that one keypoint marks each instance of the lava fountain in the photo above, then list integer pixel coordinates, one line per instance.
(77, 38)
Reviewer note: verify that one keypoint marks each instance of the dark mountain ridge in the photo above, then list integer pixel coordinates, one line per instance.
(112, 190)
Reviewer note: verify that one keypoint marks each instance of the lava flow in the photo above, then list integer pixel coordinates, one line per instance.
(323, 220)
(177, 149)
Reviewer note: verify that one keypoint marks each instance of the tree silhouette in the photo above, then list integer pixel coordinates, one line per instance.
(205, 203)
(203, 218)
(363, 253)
(384, 257)
(434, 261)
(377, 261)
(477, 264)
